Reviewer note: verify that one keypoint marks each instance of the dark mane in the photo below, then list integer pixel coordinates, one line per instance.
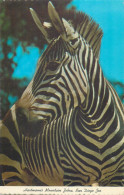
(86, 27)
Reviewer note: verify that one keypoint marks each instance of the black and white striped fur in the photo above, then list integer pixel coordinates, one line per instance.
(67, 128)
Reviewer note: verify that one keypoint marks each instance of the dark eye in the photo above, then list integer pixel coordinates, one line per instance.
(52, 66)
(21, 115)
(73, 41)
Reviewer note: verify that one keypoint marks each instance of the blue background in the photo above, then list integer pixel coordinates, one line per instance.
(109, 14)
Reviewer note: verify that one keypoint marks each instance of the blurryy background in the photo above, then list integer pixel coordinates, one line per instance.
(21, 42)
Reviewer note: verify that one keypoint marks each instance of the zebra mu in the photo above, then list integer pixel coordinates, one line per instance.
(67, 127)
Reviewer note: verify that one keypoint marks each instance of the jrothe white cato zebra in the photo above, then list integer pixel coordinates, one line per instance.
(67, 128)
